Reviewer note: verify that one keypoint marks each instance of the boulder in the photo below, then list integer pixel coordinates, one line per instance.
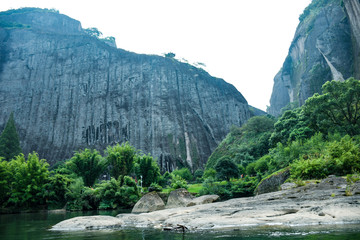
(88, 223)
(203, 200)
(148, 203)
(273, 182)
(179, 198)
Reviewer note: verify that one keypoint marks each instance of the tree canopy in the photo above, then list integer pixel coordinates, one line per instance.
(88, 164)
(120, 158)
(9, 140)
(337, 109)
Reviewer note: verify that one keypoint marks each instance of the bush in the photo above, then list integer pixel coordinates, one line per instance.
(250, 169)
(226, 169)
(147, 168)
(183, 173)
(27, 180)
(178, 182)
(87, 164)
(75, 196)
(261, 165)
(337, 157)
(56, 190)
(120, 159)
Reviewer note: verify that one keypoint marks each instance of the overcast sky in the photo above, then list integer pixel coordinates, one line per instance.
(245, 42)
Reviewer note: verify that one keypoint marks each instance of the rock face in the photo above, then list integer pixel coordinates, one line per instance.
(313, 204)
(69, 91)
(148, 203)
(326, 46)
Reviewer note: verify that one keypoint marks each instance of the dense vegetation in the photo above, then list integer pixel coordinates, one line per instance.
(318, 139)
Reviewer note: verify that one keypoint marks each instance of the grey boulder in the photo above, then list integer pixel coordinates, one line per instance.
(148, 203)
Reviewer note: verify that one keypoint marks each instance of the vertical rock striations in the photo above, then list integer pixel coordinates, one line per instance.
(69, 90)
(325, 47)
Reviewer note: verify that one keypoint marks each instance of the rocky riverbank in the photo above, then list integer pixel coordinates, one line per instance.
(331, 201)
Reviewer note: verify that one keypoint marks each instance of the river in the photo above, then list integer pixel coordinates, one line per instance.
(28, 226)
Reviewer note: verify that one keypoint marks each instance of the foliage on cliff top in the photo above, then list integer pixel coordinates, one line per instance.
(314, 7)
(27, 10)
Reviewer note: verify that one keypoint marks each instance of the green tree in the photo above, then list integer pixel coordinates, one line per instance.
(169, 55)
(337, 109)
(226, 169)
(94, 32)
(246, 144)
(120, 158)
(292, 125)
(56, 190)
(210, 172)
(184, 173)
(4, 181)
(88, 164)
(28, 177)
(148, 168)
(75, 196)
(9, 140)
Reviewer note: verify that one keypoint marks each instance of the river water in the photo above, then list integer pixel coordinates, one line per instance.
(28, 226)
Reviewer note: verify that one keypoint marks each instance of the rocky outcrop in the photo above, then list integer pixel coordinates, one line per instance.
(148, 203)
(313, 204)
(70, 91)
(273, 182)
(205, 199)
(325, 47)
(179, 198)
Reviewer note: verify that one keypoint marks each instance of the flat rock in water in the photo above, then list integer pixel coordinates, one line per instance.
(313, 204)
(89, 223)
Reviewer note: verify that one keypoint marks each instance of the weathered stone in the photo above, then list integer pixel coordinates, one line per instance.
(203, 200)
(287, 186)
(89, 223)
(326, 46)
(148, 203)
(273, 182)
(179, 198)
(70, 91)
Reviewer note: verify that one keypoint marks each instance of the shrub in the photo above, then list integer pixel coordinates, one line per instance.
(87, 164)
(27, 178)
(178, 182)
(226, 169)
(183, 173)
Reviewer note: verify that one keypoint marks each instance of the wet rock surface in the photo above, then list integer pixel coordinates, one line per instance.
(313, 204)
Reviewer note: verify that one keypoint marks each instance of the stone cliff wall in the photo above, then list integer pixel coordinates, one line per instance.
(324, 48)
(70, 91)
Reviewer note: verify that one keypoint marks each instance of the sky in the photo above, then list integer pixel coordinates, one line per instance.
(241, 41)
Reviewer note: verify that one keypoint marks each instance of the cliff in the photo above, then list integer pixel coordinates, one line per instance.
(69, 90)
(325, 47)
